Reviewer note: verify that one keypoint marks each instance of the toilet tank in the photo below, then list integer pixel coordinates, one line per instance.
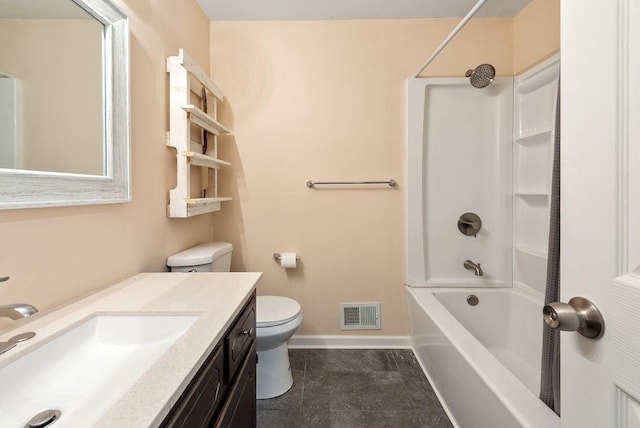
(207, 257)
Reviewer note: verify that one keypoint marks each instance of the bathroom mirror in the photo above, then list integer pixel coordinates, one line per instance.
(64, 103)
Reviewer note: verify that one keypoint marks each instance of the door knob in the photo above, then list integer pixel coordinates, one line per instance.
(579, 315)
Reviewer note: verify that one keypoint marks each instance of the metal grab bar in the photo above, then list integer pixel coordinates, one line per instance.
(391, 182)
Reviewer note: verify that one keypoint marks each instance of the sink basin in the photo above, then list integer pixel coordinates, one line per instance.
(87, 369)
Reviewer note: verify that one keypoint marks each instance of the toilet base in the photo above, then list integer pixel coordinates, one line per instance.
(273, 372)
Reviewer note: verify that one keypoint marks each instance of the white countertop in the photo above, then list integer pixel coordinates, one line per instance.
(216, 298)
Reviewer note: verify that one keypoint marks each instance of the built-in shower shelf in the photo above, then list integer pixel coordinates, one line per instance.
(534, 118)
(535, 138)
(193, 131)
(531, 251)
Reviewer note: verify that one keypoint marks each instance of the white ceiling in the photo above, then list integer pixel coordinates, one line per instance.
(299, 10)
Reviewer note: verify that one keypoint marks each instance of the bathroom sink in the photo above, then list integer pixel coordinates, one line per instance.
(84, 371)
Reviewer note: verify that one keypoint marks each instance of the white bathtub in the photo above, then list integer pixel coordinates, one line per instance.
(484, 360)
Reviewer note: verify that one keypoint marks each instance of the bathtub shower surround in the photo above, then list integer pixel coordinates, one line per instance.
(459, 163)
(533, 134)
(475, 303)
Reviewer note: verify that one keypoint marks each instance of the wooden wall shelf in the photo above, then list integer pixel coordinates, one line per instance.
(193, 132)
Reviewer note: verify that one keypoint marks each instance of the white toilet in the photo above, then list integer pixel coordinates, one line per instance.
(277, 318)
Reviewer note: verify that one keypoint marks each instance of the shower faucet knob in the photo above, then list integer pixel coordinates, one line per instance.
(469, 224)
(579, 315)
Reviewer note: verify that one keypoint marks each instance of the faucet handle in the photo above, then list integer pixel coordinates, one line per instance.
(469, 224)
(4, 278)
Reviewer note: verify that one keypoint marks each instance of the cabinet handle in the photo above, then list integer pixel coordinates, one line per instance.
(217, 391)
(241, 333)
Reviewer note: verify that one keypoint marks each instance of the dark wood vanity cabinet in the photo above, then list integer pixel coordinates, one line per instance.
(239, 410)
(222, 394)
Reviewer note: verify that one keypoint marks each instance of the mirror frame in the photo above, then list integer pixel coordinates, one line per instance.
(31, 189)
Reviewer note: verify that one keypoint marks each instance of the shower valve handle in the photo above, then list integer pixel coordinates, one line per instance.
(579, 315)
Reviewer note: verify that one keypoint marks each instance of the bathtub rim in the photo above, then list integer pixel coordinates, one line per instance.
(525, 406)
(518, 288)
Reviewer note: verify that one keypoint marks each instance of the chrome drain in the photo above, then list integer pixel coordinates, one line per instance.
(44, 418)
(472, 299)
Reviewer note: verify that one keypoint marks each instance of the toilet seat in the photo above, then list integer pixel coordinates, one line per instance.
(275, 310)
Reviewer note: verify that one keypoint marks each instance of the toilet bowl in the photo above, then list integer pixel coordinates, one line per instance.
(277, 318)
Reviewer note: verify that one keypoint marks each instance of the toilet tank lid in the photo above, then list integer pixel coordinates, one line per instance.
(200, 254)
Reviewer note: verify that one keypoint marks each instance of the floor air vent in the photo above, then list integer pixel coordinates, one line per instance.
(360, 316)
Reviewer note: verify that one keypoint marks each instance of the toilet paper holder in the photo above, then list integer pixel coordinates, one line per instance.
(278, 257)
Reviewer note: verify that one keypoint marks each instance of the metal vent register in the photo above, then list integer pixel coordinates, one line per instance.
(360, 316)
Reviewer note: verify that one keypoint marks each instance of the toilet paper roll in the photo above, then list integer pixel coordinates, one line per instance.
(288, 260)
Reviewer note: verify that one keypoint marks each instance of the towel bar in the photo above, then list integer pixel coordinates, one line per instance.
(391, 182)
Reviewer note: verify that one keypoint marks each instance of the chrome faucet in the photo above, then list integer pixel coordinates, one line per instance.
(475, 267)
(17, 310)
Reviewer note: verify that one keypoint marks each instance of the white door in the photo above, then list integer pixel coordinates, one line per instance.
(600, 245)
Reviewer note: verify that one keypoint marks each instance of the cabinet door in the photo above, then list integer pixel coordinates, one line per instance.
(240, 409)
(197, 405)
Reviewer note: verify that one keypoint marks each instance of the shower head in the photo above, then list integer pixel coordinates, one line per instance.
(481, 76)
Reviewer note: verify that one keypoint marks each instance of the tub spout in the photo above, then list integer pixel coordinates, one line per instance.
(17, 311)
(475, 267)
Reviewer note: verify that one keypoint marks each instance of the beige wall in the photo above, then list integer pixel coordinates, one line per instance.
(319, 100)
(325, 101)
(536, 33)
(60, 80)
(54, 255)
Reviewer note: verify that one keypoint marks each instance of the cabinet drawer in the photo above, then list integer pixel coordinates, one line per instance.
(239, 340)
(202, 397)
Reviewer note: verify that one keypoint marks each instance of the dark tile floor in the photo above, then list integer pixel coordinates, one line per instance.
(354, 388)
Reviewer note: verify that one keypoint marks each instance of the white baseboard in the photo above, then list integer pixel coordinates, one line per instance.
(349, 342)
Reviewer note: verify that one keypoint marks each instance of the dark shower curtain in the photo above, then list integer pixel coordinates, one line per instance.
(550, 376)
